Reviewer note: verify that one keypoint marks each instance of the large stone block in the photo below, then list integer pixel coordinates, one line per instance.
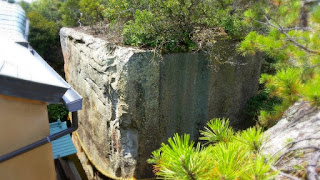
(134, 101)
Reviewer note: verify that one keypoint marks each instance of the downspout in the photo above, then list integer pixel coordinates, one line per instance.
(26, 33)
(43, 141)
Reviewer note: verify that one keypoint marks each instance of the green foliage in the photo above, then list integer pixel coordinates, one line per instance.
(57, 111)
(218, 130)
(92, 11)
(49, 9)
(155, 158)
(237, 158)
(43, 32)
(290, 35)
(179, 159)
(315, 15)
(281, 91)
(261, 170)
(168, 25)
(140, 31)
(286, 83)
(253, 137)
(70, 13)
(119, 10)
(173, 25)
(229, 161)
(311, 91)
(45, 20)
(261, 102)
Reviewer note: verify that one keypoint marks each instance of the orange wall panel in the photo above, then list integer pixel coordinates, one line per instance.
(23, 122)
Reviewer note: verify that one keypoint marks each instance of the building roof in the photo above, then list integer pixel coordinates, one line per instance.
(23, 75)
(12, 20)
(63, 146)
(23, 72)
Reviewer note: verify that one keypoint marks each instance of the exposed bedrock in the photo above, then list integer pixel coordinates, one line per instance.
(133, 101)
(299, 128)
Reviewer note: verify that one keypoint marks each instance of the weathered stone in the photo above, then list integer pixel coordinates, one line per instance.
(133, 101)
(300, 121)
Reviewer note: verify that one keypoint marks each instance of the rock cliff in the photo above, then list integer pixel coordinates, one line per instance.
(134, 101)
(294, 141)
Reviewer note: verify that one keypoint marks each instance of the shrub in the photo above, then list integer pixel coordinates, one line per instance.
(57, 111)
(119, 9)
(70, 13)
(92, 11)
(174, 24)
(43, 32)
(141, 31)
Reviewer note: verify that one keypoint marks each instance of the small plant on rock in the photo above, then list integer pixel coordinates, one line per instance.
(218, 130)
(179, 159)
(253, 137)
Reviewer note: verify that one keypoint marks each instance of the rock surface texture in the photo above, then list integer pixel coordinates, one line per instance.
(134, 101)
(298, 129)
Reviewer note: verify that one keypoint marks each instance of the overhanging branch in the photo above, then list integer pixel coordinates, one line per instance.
(291, 39)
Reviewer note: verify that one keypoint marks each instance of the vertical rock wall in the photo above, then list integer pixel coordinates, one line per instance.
(133, 102)
(194, 90)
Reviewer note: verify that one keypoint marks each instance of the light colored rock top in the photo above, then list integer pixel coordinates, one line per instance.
(90, 40)
(300, 121)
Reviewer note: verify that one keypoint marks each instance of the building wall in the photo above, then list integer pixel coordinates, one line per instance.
(23, 122)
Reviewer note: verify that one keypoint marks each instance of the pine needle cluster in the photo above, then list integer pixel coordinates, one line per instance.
(224, 154)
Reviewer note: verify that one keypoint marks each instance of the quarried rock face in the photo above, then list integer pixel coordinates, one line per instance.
(134, 101)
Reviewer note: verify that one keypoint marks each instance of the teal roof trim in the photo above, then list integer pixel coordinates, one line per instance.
(63, 146)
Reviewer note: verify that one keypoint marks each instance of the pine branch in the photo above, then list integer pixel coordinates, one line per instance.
(190, 174)
(291, 39)
(298, 28)
(287, 29)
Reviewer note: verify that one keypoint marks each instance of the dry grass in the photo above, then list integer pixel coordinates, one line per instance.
(102, 30)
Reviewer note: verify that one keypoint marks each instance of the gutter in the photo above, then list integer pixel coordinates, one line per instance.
(71, 99)
(43, 141)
